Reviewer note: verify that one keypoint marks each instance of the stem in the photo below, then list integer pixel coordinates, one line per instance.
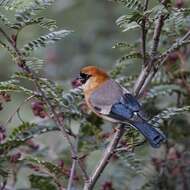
(74, 163)
(156, 36)
(150, 65)
(105, 159)
(144, 32)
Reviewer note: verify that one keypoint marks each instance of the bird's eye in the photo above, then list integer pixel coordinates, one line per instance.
(85, 76)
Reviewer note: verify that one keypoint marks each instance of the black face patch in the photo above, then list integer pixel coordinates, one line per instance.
(84, 77)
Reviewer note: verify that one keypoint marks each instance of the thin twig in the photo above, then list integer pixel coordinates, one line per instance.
(144, 32)
(150, 66)
(17, 109)
(156, 36)
(73, 167)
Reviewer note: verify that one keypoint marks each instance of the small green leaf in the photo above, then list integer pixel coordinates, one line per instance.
(162, 90)
(42, 182)
(167, 114)
(131, 4)
(5, 20)
(123, 46)
(130, 21)
(132, 55)
(44, 41)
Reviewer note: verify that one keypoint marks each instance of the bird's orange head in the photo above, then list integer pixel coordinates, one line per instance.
(91, 78)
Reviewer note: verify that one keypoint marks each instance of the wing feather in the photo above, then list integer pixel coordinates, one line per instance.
(111, 100)
(105, 96)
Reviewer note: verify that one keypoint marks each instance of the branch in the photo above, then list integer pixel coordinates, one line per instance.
(156, 36)
(163, 58)
(150, 65)
(105, 159)
(144, 32)
(183, 41)
(74, 163)
(21, 63)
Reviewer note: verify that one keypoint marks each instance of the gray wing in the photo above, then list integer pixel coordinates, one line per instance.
(105, 96)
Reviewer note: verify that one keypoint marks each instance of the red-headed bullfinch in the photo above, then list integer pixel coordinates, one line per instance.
(109, 100)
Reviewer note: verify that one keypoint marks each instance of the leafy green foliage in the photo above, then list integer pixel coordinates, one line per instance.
(132, 55)
(136, 4)
(128, 22)
(52, 174)
(162, 90)
(9, 145)
(44, 41)
(41, 182)
(123, 46)
(22, 6)
(46, 166)
(12, 86)
(48, 24)
(4, 172)
(130, 162)
(167, 114)
(5, 20)
(176, 23)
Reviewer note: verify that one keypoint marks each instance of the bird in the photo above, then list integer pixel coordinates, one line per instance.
(111, 101)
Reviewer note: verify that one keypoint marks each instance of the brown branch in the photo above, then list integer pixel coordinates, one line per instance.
(144, 32)
(150, 65)
(21, 63)
(156, 36)
(183, 41)
(105, 159)
(73, 167)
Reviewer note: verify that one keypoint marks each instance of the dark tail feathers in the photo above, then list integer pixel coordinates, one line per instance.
(152, 135)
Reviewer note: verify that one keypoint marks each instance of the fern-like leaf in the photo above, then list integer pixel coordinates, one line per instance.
(23, 133)
(11, 86)
(42, 182)
(131, 4)
(46, 23)
(130, 21)
(161, 90)
(123, 46)
(31, 130)
(127, 82)
(167, 114)
(47, 167)
(131, 55)
(23, 6)
(5, 20)
(175, 24)
(9, 145)
(44, 41)
(35, 64)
